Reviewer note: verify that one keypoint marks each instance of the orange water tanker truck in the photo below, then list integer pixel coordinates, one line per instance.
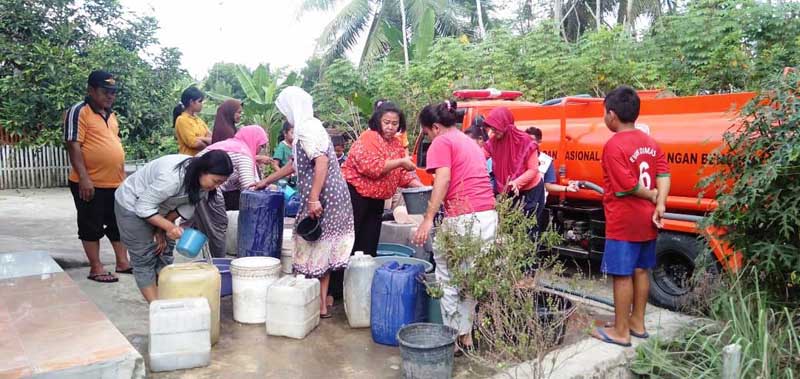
(688, 130)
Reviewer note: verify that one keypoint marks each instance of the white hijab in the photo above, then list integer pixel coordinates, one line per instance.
(298, 107)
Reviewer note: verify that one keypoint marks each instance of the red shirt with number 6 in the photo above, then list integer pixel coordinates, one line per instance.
(631, 159)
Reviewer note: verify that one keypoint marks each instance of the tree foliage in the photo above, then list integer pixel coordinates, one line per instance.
(712, 46)
(48, 48)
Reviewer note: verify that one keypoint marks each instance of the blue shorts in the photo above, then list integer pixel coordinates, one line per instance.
(622, 257)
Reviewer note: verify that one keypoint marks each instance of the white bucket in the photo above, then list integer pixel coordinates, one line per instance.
(287, 252)
(251, 276)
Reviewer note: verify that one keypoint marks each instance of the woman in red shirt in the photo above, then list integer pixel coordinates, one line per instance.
(376, 166)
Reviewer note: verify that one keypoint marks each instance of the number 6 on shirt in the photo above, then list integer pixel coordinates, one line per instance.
(644, 177)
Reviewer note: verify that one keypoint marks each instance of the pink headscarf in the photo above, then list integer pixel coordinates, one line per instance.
(510, 154)
(248, 140)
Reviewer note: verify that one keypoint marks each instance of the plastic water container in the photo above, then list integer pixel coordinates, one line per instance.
(232, 234)
(184, 280)
(404, 260)
(287, 252)
(180, 332)
(357, 288)
(260, 224)
(292, 307)
(397, 299)
(251, 277)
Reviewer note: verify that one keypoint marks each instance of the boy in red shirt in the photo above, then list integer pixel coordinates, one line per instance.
(633, 210)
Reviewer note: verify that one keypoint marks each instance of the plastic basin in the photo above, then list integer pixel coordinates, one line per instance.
(394, 249)
(191, 242)
(224, 267)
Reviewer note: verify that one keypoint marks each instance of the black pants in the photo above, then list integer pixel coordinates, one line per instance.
(367, 214)
(95, 217)
(533, 205)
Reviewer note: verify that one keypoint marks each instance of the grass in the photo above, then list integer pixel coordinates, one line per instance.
(767, 333)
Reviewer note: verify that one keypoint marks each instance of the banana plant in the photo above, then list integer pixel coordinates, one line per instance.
(261, 88)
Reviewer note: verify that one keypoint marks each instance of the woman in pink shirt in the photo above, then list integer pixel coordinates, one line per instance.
(515, 158)
(461, 183)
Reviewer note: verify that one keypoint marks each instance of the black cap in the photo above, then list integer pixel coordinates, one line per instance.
(104, 79)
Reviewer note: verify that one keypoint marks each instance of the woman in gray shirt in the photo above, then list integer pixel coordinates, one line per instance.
(150, 200)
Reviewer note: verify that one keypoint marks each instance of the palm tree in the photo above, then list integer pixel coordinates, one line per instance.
(382, 20)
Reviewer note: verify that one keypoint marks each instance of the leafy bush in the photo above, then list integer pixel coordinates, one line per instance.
(504, 278)
(758, 185)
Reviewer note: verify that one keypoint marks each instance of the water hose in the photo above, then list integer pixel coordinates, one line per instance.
(582, 295)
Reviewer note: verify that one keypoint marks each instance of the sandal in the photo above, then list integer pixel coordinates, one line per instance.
(325, 315)
(103, 278)
(602, 336)
(644, 335)
(128, 270)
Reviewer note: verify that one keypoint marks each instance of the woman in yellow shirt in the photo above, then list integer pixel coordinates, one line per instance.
(191, 131)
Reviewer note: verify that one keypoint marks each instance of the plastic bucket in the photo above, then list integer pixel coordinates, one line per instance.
(309, 229)
(251, 276)
(404, 260)
(191, 242)
(427, 350)
(224, 267)
(394, 249)
(416, 199)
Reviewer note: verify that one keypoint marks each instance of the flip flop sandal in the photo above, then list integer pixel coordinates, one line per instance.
(325, 315)
(643, 336)
(605, 338)
(129, 270)
(109, 278)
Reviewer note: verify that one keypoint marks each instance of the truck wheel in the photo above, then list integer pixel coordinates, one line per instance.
(676, 260)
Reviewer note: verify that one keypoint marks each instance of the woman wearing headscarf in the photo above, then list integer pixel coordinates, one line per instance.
(515, 162)
(322, 190)
(228, 115)
(210, 217)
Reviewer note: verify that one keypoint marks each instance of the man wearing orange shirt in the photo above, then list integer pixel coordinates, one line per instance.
(91, 134)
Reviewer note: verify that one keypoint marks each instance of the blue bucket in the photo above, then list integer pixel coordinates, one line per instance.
(191, 242)
(224, 267)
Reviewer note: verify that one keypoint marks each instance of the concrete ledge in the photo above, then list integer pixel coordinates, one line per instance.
(591, 358)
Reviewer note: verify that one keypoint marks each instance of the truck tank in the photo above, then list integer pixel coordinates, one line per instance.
(688, 130)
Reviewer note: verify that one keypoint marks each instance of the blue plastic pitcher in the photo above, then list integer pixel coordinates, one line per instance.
(191, 242)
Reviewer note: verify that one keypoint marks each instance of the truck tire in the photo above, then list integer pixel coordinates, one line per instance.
(676, 259)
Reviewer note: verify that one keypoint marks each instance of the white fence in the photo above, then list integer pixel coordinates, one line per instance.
(33, 167)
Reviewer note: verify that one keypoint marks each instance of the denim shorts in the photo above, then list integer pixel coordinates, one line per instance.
(622, 257)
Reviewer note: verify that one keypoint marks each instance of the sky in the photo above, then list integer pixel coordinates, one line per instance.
(246, 32)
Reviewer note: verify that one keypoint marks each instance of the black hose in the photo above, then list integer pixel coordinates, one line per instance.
(572, 292)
